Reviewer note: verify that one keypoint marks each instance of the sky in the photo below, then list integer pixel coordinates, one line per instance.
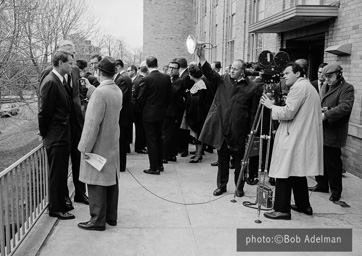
(120, 18)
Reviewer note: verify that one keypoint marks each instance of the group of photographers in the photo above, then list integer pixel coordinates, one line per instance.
(312, 129)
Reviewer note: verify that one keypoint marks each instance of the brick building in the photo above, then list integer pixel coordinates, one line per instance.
(166, 25)
(316, 30)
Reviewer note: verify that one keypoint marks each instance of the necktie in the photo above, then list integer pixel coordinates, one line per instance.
(67, 87)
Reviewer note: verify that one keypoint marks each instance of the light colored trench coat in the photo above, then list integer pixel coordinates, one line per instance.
(101, 134)
(298, 145)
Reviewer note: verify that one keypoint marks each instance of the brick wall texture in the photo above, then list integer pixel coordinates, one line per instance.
(166, 25)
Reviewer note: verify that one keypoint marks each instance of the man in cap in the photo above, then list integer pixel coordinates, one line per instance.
(337, 97)
(100, 136)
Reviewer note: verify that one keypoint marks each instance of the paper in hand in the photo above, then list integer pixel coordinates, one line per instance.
(96, 161)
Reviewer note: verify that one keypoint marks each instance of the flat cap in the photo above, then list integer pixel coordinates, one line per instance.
(332, 68)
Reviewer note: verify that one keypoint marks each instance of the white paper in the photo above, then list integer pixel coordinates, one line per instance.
(96, 161)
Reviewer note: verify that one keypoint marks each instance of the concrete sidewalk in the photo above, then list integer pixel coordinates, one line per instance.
(176, 214)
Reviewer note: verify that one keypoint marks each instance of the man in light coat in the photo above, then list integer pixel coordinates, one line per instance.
(100, 136)
(298, 145)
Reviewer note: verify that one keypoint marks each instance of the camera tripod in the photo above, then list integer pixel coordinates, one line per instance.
(263, 192)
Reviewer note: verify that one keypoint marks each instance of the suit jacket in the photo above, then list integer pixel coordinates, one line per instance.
(101, 134)
(54, 112)
(315, 84)
(153, 97)
(339, 99)
(136, 90)
(77, 115)
(175, 107)
(124, 82)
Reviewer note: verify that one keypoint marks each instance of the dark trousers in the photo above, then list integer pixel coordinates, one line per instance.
(183, 140)
(75, 159)
(224, 163)
(103, 203)
(333, 167)
(58, 161)
(123, 146)
(170, 126)
(153, 132)
(283, 193)
(140, 136)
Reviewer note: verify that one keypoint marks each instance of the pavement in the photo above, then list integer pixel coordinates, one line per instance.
(176, 214)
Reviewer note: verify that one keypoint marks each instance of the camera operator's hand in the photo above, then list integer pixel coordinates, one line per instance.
(266, 101)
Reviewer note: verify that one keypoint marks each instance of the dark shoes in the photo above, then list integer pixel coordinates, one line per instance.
(308, 210)
(141, 151)
(219, 191)
(81, 199)
(215, 163)
(277, 215)
(240, 193)
(334, 198)
(90, 226)
(252, 181)
(194, 161)
(154, 172)
(68, 204)
(184, 154)
(62, 215)
(112, 222)
(318, 188)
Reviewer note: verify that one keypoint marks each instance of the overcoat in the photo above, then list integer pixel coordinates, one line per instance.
(339, 100)
(101, 134)
(298, 145)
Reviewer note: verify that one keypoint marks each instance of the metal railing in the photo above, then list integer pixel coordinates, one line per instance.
(23, 198)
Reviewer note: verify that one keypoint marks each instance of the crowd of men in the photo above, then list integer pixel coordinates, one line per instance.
(85, 112)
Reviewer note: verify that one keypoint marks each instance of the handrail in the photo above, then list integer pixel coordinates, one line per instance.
(23, 198)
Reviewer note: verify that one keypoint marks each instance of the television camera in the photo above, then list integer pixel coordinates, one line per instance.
(273, 66)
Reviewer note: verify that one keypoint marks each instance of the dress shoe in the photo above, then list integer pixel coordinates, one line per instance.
(62, 215)
(308, 210)
(81, 199)
(90, 226)
(219, 191)
(172, 159)
(334, 198)
(252, 181)
(164, 161)
(112, 222)
(184, 154)
(240, 193)
(277, 215)
(141, 151)
(318, 188)
(215, 163)
(68, 204)
(194, 161)
(154, 172)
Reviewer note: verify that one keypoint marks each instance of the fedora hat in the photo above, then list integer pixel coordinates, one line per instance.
(107, 65)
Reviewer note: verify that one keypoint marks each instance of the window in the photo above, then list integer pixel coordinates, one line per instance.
(258, 10)
(256, 46)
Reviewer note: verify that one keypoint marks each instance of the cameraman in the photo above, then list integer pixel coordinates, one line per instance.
(298, 145)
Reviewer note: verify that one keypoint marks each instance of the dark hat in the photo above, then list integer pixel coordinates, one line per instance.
(332, 68)
(107, 65)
